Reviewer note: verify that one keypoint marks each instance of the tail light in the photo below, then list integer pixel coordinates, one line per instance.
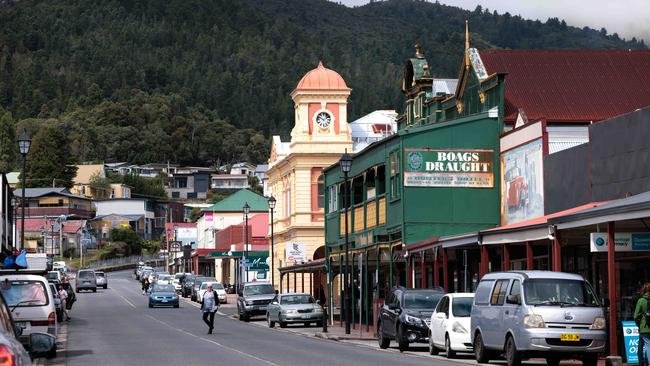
(50, 322)
(6, 356)
(51, 319)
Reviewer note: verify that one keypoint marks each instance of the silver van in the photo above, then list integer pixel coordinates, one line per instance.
(526, 314)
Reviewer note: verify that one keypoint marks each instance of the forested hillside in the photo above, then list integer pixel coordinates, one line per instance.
(207, 81)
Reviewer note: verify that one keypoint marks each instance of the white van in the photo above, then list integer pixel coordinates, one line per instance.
(31, 301)
(526, 314)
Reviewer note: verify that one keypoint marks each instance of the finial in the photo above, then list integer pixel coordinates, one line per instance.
(320, 64)
(418, 51)
(466, 34)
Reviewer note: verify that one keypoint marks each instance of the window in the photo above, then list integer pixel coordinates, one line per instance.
(321, 191)
(371, 190)
(516, 288)
(317, 189)
(191, 195)
(462, 307)
(333, 198)
(180, 182)
(176, 195)
(25, 293)
(499, 292)
(443, 306)
(395, 182)
(482, 296)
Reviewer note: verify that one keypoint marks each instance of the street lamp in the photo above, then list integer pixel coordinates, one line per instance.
(272, 207)
(247, 209)
(24, 142)
(346, 164)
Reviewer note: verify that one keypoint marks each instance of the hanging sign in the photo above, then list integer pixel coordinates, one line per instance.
(448, 168)
(625, 242)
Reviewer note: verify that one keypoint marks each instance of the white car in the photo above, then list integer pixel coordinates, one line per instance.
(450, 324)
(217, 287)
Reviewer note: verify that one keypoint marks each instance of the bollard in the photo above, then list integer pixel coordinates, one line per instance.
(324, 319)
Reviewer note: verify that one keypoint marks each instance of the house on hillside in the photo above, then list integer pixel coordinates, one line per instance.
(189, 183)
(82, 182)
(228, 182)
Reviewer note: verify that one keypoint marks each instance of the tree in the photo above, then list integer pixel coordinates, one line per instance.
(133, 243)
(100, 187)
(49, 158)
(8, 144)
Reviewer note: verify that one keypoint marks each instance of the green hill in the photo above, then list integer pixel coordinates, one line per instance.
(195, 81)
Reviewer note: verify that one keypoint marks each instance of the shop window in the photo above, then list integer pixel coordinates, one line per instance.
(395, 182)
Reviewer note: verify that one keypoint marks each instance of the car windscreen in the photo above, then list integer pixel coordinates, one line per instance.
(462, 307)
(296, 299)
(99, 274)
(421, 299)
(551, 291)
(163, 288)
(53, 275)
(258, 290)
(86, 274)
(25, 293)
(217, 286)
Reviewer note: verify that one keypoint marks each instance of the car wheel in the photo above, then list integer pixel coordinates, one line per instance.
(480, 353)
(282, 324)
(383, 341)
(450, 353)
(176, 306)
(247, 317)
(402, 342)
(95, 289)
(552, 361)
(150, 305)
(590, 359)
(513, 357)
(78, 291)
(105, 287)
(319, 324)
(433, 350)
(270, 322)
(52, 354)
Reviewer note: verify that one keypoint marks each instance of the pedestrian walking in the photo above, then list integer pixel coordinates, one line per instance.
(209, 306)
(642, 319)
(63, 296)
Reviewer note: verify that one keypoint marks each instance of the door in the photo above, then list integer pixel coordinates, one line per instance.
(439, 322)
(494, 336)
(273, 309)
(511, 313)
(391, 313)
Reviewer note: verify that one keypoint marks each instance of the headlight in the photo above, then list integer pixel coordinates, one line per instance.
(248, 302)
(289, 311)
(534, 321)
(413, 320)
(318, 310)
(599, 323)
(458, 328)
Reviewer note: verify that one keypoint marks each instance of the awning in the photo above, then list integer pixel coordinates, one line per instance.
(454, 241)
(317, 265)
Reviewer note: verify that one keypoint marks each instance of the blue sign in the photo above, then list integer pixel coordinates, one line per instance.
(641, 241)
(631, 339)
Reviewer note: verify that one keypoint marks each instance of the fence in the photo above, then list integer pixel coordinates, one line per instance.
(125, 261)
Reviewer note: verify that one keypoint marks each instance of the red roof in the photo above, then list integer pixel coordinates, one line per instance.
(572, 86)
(36, 224)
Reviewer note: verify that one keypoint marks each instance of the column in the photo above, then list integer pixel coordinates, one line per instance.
(529, 256)
(445, 271)
(485, 258)
(436, 267)
(423, 269)
(612, 287)
(557, 253)
(506, 257)
(409, 271)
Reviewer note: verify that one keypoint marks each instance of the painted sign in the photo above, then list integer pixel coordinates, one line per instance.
(522, 183)
(631, 339)
(625, 242)
(209, 217)
(448, 168)
(295, 253)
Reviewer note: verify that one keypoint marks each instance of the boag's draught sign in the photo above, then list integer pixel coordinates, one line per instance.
(449, 168)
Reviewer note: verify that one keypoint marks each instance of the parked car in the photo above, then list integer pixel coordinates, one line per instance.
(216, 287)
(163, 295)
(102, 279)
(253, 299)
(294, 308)
(406, 315)
(54, 275)
(178, 278)
(86, 280)
(31, 301)
(186, 289)
(57, 303)
(526, 314)
(15, 352)
(164, 279)
(450, 323)
(194, 295)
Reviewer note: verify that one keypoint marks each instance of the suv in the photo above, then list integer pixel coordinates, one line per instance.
(102, 279)
(406, 316)
(253, 299)
(527, 314)
(186, 288)
(86, 280)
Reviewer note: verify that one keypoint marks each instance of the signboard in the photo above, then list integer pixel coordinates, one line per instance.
(295, 252)
(448, 168)
(631, 339)
(185, 233)
(522, 183)
(209, 217)
(175, 246)
(625, 242)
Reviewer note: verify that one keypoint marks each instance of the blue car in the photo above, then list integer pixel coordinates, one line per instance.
(163, 295)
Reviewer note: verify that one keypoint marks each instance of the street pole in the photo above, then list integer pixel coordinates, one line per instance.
(346, 198)
(24, 142)
(272, 207)
(61, 238)
(246, 211)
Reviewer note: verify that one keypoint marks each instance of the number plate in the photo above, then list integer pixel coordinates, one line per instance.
(306, 316)
(570, 337)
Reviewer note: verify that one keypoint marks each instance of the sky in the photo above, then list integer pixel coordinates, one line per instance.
(628, 18)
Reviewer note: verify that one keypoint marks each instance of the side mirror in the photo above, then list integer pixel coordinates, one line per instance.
(441, 316)
(41, 344)
(606, 302)
(513, 299)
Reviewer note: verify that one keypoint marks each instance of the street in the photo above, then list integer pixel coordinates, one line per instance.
(115, 327)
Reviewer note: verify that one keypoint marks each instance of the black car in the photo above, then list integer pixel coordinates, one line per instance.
(186, 290)
(197, 285)
(406, 315)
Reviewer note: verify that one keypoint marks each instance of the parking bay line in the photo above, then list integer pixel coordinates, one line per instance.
(214, 342)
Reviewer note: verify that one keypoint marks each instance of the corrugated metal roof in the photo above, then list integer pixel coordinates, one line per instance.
(577, 86)
(235, 202)
(445, 86)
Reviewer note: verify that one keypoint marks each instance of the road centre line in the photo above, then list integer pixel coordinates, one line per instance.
(214, 342)
(124, 298)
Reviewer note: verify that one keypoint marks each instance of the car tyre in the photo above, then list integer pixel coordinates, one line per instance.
(270, 322)
(383, 341)
(450, 353)
(52, 354)
(95, 289)
(282, 324)
(590, 359)
(402, 342)
(247, 317)
(433, 350)
(319, 324)
(78, 291)
(105, 287)
(150, 305)
(480, 353)
(552, 361)
(513, 357)
(176, 306)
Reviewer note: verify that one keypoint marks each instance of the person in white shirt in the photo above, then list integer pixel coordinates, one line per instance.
(209, 306)
(63, 296)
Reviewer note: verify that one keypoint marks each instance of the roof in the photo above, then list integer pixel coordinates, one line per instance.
(85, 172)
(41, 192)
(259, 225)
(39, 223)
(572, 85)
(261, 168)
(235, 202)
(445, 86)
(119, 217)
(322, 78)
(534, 274)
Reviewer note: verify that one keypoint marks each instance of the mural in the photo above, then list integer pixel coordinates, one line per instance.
(522, 183)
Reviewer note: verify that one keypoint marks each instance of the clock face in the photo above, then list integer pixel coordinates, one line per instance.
(323, 120)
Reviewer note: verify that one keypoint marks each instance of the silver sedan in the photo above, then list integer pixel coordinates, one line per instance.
(294, 308)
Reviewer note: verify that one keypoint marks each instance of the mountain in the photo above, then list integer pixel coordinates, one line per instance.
(143, 80)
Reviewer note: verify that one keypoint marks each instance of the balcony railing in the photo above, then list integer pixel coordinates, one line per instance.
(358, 218)
(371, 214)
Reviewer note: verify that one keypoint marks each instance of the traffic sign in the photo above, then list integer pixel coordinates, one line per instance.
(175, 246)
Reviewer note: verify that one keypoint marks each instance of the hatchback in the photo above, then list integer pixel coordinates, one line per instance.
(163, 295)
(450, 323)
(32, 302)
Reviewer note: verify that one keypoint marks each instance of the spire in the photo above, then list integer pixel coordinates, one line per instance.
(466, 43)
(320, 64)
(418, 51)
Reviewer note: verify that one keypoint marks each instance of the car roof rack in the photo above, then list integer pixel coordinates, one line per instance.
(27, 271)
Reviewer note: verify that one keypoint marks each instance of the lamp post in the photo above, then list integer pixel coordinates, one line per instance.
(346, 164)
(24, 142)
(272, 207)
(61, 219)
(247, 209)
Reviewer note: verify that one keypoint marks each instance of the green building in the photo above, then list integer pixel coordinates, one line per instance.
(438, 176)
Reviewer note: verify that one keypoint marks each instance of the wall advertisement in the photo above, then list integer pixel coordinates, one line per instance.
(448, 168)
(522, 183)
(625, 242)
(295, 253)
